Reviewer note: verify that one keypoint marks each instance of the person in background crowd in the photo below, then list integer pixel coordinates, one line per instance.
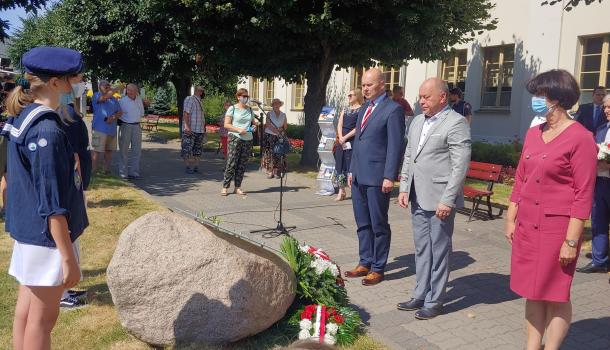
(240, 123)
(193, 130)
(398, 95)
(456, 97)
(433, 172)
(130, 133)
(377, 152)
(275, 126)
(106, 112)
(591, 115)
(47, 211)
(78, 137)
(550, 202)
(223, 132)
(346, 130)
(9, 85)
(600, 214)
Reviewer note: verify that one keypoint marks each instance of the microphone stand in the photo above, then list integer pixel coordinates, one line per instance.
(280, 229)
(261, 127)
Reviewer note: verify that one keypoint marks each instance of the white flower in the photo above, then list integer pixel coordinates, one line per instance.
(334, 269)
(304, 248)
(331, 328)
(305, 324)
(604, 152)
(329, 339)
(304, 334)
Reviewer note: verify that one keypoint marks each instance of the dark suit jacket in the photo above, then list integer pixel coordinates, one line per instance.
(378, 150)
(584, 116)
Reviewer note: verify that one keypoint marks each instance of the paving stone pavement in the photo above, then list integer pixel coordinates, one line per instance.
(480, 313)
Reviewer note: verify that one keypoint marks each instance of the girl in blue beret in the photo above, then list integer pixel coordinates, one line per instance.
(46, 211)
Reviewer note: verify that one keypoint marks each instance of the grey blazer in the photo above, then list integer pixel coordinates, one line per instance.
(438, 170)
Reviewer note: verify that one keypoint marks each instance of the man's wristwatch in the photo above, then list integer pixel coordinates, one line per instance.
(571, 243)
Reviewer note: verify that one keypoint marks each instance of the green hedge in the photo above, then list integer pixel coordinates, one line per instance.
(296, 131)
(503, 154)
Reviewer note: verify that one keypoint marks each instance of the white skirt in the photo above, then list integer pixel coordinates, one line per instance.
(34, 265)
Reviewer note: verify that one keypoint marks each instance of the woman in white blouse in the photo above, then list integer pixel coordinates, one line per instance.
(275, 126)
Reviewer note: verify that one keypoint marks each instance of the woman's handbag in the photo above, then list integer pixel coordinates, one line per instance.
(282, 145)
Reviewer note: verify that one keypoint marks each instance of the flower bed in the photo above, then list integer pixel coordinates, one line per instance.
(296, 145)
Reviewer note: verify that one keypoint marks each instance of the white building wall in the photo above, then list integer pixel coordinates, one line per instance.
(545, 37)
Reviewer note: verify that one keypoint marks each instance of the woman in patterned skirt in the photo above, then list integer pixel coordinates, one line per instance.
(275, 126)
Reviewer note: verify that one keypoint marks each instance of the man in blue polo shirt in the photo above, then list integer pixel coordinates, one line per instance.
(106, 112)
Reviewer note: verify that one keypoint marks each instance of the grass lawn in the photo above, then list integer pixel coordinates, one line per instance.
(113, 204)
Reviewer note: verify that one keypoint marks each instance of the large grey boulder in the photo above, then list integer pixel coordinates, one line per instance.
(174, 281)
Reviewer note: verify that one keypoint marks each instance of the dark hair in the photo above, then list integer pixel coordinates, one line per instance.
(456, 91)
(599, 88)
(396, 88)
(556, 84)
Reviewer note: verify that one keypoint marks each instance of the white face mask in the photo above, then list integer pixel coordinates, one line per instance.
(243, 99)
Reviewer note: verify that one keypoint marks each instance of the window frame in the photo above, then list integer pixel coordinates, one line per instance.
(456, 67)
(298, 86)
(358, 72)
(266, 97)
(604, 67)
(501, 61)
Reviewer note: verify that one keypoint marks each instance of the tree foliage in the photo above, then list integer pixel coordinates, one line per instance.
(570, 4)
(27, 5)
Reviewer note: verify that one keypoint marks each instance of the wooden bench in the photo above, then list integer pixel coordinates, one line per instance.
(487, 172)
(149, 122)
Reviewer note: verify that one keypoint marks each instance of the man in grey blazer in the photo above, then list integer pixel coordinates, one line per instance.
(432, 177)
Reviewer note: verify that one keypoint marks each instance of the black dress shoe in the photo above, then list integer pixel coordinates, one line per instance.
(428, 313)
(590, 268)
(413, 304)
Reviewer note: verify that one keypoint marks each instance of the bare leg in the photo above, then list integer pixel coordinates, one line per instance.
(107, 161)
(341, 194)
(559, 316)
(21, 317)
(94, 156)
(535, 321)
(3, 190)
(42, 315)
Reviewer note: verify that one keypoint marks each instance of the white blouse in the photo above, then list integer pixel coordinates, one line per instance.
(278, 121)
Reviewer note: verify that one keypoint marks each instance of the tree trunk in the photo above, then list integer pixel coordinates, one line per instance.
(183, 89)
(315, 99)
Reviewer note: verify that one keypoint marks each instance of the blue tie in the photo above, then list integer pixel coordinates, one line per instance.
(595, 115)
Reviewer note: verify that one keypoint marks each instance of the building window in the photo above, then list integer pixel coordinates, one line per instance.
(5, 62)
(254, 88)
(390, 75)
(269, 92)
(594, 65)
(454, 70)
(298, 95)
(498, 76)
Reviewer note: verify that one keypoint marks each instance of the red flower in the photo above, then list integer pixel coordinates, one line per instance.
(339, 319)
(340, 282)
(306, 314)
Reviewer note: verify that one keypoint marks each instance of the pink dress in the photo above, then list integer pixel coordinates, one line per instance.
(554, 182)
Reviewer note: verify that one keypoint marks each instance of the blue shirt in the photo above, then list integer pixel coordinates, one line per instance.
(41, 178)
(462, 107)
(78, 136)
(102, 110)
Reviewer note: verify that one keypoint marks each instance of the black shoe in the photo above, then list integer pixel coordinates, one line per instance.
(71, 303)
(195, 169)
(589, 255)
(590, 268)
(189, 170)
(413, 304)
(428, 313)
(77, 293)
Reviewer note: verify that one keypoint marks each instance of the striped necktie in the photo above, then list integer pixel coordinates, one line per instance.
(367, 114)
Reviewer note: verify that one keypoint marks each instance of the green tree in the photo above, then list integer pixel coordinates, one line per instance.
(27, 5)
(305, 39)
(162, 103)
(570, 4)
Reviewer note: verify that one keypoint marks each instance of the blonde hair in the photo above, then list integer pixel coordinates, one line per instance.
(359, 96)
(19, 97)
(241, 92)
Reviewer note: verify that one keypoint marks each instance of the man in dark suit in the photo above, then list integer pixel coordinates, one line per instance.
(591, 115)
(376, 158)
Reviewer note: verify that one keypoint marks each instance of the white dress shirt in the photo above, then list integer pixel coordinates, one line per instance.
(428, 123)
(605, 173)
(133, 110)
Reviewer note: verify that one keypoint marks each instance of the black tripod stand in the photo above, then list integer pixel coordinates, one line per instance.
(280, 229)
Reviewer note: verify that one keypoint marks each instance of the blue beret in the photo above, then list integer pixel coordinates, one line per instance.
(52, 61)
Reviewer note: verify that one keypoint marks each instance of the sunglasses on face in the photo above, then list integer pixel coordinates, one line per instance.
(350, 95)
(244, 96)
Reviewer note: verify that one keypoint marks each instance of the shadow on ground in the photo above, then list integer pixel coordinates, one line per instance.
(406, 265)
(481, 288)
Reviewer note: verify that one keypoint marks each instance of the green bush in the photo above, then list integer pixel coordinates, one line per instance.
(296, 131)
(213, 108)
(503, 154)
(165, 100)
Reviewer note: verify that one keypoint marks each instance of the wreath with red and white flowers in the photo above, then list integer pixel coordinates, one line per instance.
(320, 322)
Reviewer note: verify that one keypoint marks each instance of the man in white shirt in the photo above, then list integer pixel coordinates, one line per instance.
(193, 130)
(130, 134)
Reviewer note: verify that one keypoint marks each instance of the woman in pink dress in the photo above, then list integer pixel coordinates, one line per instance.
(551, 200)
